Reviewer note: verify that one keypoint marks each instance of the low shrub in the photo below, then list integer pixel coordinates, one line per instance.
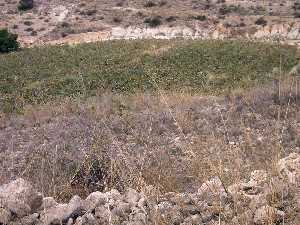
(8, 41)
(25, 5)
(149, 4)
(200, 17)
(261, 22)
(153, 21)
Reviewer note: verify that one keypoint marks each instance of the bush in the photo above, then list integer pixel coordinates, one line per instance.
(153, 22)
(8, 41)
(261, 21)
(149, 4)
(25, 5)
(200, 17)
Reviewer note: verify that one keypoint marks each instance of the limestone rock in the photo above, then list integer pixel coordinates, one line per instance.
(20, 197)
(95, 199)
(48, 202)
(61, 213)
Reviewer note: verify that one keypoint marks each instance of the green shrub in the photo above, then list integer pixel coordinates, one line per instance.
(42, 74)
(261, 22)
(200, 17)
(149, 4)
(25, 5)
(8, 41)
(154, 21)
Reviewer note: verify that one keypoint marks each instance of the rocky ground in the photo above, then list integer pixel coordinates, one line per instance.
(261, 199)
(84, 21)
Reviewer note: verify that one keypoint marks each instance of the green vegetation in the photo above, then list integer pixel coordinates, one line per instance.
(25, 5)
(8, 41)
(211, 67)
(153, 21)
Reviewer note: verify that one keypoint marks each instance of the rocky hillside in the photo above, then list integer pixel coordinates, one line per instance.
(262, 199)
(69, 21)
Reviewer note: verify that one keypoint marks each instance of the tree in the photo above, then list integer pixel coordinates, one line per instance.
(25, 4)
(8, 41)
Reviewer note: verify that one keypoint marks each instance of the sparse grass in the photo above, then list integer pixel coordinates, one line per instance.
(38, 75)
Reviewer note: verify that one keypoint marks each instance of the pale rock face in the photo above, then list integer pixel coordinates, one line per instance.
(289, 168)
(19, 197)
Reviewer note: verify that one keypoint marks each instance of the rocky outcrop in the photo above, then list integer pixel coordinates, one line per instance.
(284, 32)
(19, 198)
(263, 199)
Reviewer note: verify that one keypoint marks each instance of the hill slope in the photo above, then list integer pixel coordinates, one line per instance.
(40, 74)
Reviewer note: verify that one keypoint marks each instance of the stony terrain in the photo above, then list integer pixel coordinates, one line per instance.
(262, 199)
(179, 132)
(69, 21)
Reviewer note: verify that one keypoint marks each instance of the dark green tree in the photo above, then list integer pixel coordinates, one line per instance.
(8, 41)
(25, 5)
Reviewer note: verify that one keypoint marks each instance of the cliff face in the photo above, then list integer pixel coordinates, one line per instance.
(287, 33)
(281, 31)
(262, 199)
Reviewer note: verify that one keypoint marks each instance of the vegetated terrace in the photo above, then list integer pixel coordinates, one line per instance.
(38, 75)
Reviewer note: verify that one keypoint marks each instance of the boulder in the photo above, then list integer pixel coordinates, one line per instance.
(95, 199)
(61, 213)
(20, 198)
(122, 209)
(103, 214)
(49, 202)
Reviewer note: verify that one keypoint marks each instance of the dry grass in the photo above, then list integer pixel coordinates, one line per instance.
(172, 141)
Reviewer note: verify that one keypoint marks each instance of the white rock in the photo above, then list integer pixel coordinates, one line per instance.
(20, 197)
(49, 202)
(61, 213)
(95, 199)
